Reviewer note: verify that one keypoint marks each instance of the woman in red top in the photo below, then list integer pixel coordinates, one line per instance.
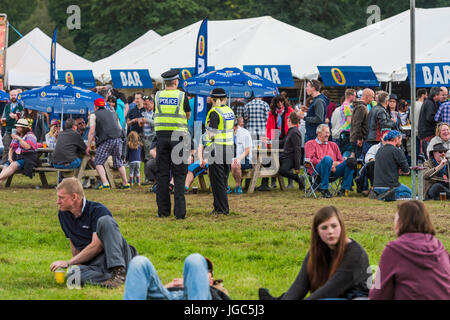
(277, 120)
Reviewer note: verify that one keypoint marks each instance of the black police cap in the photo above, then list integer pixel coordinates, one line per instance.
(218, 93)
(171, 75)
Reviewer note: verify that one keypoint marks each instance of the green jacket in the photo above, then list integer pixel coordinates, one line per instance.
(10, 122)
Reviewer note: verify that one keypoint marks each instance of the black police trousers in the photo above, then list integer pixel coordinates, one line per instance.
(164, 165)
(218, 175)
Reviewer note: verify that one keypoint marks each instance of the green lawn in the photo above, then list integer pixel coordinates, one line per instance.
(260, 244)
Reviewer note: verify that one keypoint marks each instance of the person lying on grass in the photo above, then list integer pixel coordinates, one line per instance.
(335, 266)
(197, 283)
(99, 250)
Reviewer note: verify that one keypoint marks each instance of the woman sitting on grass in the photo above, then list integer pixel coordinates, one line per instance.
(335, 266)
(416, 266)
(22, 151)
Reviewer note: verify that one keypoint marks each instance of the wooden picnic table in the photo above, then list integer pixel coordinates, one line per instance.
(84, 171)
(262, 155)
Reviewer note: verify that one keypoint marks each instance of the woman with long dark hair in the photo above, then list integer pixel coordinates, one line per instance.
(335, 266)
(416, 265)
(276, 121)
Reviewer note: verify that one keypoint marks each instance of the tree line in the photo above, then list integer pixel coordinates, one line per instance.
(108, 25)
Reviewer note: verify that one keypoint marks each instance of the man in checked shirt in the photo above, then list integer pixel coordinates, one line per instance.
(258, 112)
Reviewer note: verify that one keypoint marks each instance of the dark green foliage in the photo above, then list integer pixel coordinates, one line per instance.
(108, 25)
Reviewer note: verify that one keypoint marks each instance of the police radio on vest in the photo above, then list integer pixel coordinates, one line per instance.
(131, 79)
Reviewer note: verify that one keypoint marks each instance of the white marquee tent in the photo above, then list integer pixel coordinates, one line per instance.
(386, 45)
(231, 43)
(135, 50)
(28, 60)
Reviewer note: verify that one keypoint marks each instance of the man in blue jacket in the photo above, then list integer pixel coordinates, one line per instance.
(317, 110)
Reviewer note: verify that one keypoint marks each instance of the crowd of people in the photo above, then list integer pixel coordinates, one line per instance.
(369, 128)
(415, 266)
(340, 141)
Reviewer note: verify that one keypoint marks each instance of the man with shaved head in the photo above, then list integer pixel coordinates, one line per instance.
(359, 125)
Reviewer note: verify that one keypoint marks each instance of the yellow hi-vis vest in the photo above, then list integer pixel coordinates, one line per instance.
(224, 133)
(169, 111)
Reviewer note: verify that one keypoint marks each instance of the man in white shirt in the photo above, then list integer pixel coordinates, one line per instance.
(243, 150)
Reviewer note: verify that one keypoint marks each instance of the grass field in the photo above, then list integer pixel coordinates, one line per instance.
(260, 244)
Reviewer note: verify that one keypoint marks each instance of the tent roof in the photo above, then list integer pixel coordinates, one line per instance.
(386, 45)
(27, 67)
(231, 43)
(134, 50)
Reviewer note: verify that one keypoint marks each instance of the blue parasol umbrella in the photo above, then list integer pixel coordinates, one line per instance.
(4, 96)
(238, 84)
(59, 99)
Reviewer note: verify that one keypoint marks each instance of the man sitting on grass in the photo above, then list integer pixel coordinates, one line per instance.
(389, 160)
(98, 248)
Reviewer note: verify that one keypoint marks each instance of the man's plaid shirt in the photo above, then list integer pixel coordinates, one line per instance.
(443, 114)
(257, 112)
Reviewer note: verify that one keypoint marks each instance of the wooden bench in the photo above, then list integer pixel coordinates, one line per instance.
(84, 171)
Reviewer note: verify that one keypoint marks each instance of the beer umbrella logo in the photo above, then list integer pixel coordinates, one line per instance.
(201, 46)
(185, 74)
(212, 82)
(69, 78)
(338, 76)
(250, 83)
(78, 95)
(43, 94)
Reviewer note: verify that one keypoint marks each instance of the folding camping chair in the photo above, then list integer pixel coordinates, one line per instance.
(312, 181)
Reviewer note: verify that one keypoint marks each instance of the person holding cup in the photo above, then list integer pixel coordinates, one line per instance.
(22, 153)
(436, 174)
(10, 114)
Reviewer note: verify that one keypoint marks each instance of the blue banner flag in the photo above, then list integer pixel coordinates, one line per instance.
(280, 75)
(53, 59)
(201, 62)
(348, 76)
(79, 78)
(431, 74)
(130, 79)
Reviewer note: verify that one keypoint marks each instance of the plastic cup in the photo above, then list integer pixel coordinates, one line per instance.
(44, 146)
(3, 122)
(443, 196)
(59, 276)
(194, 190)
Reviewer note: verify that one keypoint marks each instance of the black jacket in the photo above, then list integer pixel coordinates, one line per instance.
(378, 119)
(293, 147)
(427, 125)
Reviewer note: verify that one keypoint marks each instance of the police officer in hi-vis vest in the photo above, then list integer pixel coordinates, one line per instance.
(173, 144)
(219, 129)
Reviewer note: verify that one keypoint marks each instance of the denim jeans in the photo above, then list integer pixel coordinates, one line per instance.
(342, 170)
(73, 165)
(143, 283)
(401, 192)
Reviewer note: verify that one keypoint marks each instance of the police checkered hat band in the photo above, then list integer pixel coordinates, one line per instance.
(171, 75)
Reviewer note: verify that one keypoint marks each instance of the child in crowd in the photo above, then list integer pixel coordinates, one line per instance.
(134, 157)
